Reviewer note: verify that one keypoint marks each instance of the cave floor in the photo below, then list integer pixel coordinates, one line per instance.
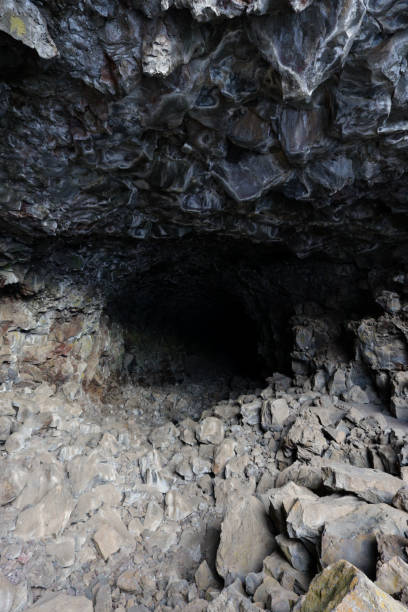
(122, 501)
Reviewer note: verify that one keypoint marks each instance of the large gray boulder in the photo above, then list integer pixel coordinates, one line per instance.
(246, 539)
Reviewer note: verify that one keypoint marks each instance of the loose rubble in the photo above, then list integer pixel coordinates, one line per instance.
(104, 509)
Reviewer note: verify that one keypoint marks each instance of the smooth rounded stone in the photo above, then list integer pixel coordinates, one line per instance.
(245, 539)
(341, 587)
(210, 431)
(129, 581)
(67, 603)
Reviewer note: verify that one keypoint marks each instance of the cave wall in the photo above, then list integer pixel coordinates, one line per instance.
(83, 318)
(130, 128)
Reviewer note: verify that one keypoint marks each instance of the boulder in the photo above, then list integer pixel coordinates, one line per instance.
(246, 539)
(308, 517)
(371, 485)
(281, 501)
(341, 587)
(210, 431)
(274, 414)
(353, 537)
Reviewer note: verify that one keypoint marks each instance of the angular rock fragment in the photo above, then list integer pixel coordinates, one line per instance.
(371, 485)
(289, 578)
(274, 414)
(295, 552)
(392, 576)
(23, 21)
(342, 587)
(400, 499)
(353, 537)
(50, 516)
(245, 540)
(210, 431)
(13, 597)
(307, 517)
(282, 500)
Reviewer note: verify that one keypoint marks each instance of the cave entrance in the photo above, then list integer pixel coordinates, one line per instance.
(186, 326)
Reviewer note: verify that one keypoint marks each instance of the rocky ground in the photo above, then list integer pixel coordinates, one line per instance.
(133, 505)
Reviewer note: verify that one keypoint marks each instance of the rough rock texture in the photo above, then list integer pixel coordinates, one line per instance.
(197, 197)
(342, 588)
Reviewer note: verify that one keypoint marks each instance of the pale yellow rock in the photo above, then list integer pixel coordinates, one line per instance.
(341, 587)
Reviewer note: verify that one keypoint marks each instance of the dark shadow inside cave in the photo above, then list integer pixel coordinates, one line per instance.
(202, 309)
(186, 325)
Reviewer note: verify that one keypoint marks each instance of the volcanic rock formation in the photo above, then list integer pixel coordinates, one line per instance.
(203, 303)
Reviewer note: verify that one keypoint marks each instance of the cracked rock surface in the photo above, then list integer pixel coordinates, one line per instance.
(203, 305)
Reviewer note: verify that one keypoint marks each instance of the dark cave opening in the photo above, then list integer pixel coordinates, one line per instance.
(201, 309)
(188, 326)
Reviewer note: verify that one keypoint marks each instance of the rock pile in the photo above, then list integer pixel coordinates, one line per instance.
(285, 499)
